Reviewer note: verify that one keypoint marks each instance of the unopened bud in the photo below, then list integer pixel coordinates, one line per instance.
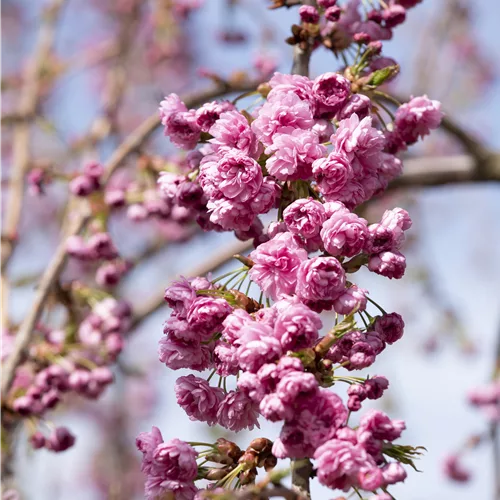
(216, 474)
(248, 476)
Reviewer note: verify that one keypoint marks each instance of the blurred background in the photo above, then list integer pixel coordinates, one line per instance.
(109, 66)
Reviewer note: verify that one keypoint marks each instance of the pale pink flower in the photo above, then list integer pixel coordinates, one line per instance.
(237, 412)
(232, 130)
(276, 264)
(282, 115)
(293, 154)
(388, 264)
(304, 217)
(320, 279)
(199, 400)
(332, 174)
(344, 234)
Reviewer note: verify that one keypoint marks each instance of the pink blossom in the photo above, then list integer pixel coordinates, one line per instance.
(358, 139)
(317, 422)
(388, 264)
(233, 325)
(199, 400)
(239, 176)
(332, 174)
(237, 412)
(320, 279)
(178, 354)
(232, 130)
(454, 470)
(390, 327)
(182, 292)
(309, 14)
(281, 115)
(344, 234)
(182, 129)
(276, 264)
(230, 214)
(171, 105)
(304, 217)
(353, 298)
(416, 118)
(394, 15)
(282, 84)
(170, 183)
(339, 462)
(226, 359)
(393, 473)
(206, 314)
(297, 326)
(293, 154)
(323, 129)
(357, 103)
(375, 386)
(266, 198)
(370, 479)
(296, 387)
(177, 460)
(257, 345)
(331, 91)
(379, 426)
(210, 112)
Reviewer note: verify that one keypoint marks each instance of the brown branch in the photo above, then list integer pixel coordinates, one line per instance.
(28, 103)
(302, 52)
(301, 475)
(49, 278)
(439, 171)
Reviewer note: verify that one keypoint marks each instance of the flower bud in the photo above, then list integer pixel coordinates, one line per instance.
(249, 458)
(270, 463)
(37, 440)
(248, 476)
(102, 375)
(216, 474)
(261, 445)
(50, 399)
(60, 439)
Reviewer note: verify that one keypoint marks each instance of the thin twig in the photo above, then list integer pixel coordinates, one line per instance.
(28, 103)
(49, 278)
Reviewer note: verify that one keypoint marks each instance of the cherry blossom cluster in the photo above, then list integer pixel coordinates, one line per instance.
(309, 154)
(76, 360)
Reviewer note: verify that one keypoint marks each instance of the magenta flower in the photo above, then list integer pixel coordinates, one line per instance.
(284, 113)
(331, 91)
(225, 359)
(169, 106)
(379, 426)
(299, 85)
(339, 462)
(357, 103)
(239, 177)
(257, 345)
(182, 129)
(267, 197)
(177, 354)
(293, 154)
(297, 387)
(332, 174)
(206, 314)
(276, 264)
(210, 112)
(353, 298)
(393, 473)
(199, 400)
(455, 471)
(357, 138)
(297, 326)
(177, 460)
(320, 279)
(234, 323)
(344, 234)
(390, 327)
(237, 412)
(232, 130)
(304, 217)
(416, 118)
(181, 293)
(388, 264)
(230, 214)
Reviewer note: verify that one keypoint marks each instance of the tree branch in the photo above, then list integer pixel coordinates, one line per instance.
(28, 103)
(302, 52)
(301, 475)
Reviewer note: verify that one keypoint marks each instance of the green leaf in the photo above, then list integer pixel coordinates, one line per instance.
(381, 75)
